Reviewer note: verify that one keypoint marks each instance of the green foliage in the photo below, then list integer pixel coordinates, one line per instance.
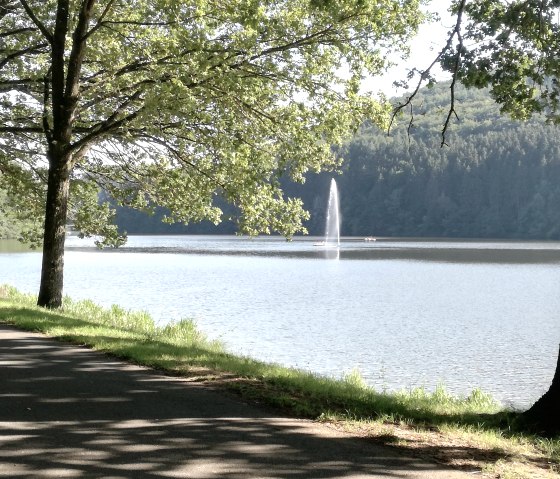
(85, 315)
(498, 178)
(185, 333)
(94, 218)
(9, 227)
(512, 48)
(355, 380)
(174, 103)
(114, 317)
(21, 203)
(441, 402)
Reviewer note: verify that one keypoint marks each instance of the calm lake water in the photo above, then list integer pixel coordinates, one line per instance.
(404, 313)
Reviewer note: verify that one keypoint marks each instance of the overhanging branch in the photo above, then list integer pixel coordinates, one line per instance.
(99, 23)
(456, 32)
(17, 31)
(112, 123)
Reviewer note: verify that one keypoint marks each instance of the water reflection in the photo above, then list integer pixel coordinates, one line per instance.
(13, 246)
(331, 252)
(350, 249)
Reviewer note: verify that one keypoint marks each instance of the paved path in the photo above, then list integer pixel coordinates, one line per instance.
(67, 411)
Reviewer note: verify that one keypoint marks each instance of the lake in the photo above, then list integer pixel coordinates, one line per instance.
(404, 313)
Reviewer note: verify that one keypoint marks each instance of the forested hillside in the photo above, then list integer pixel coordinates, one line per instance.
(496, 179)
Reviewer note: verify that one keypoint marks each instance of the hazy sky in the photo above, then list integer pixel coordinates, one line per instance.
(425, 46)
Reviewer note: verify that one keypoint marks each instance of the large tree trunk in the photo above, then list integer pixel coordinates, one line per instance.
(544, 415)
(56, 211)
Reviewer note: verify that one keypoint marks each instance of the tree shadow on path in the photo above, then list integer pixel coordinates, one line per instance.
(70, 412)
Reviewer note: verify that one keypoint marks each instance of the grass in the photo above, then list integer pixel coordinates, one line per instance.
(471, 432)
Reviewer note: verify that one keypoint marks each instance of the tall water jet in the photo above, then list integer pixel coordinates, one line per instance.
(332, 230)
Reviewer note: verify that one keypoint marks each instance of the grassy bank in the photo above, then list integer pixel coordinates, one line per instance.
(471, 432)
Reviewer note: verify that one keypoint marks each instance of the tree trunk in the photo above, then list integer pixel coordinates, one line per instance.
(544, 415)
(56, 211)
(66, 67)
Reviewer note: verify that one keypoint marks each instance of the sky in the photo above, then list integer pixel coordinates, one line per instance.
(425, 46)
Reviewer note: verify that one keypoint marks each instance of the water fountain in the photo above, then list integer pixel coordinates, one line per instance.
(332, 229)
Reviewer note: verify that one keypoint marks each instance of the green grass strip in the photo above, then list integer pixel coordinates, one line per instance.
(181, 348)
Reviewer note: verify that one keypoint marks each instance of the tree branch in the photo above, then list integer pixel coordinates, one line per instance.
(46, 96)
(179, 157)
(19, 53)
(426, 73)
(21, 129)
(110, 124)
(456, 65)
(8, 85)
(48, 35)
(58, 64)
(76, 58)
(99, 23)
(17, 31)
(310, 38)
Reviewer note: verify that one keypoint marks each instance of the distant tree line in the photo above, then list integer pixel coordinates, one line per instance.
(497, 178)
(137, 222)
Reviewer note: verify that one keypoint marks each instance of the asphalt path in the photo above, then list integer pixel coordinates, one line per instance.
(69, 412)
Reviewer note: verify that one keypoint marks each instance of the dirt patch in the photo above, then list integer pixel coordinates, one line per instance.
(462, 451)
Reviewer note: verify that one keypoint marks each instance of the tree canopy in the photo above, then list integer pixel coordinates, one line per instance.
(509, 47)
(512, 47)
(174, 102)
